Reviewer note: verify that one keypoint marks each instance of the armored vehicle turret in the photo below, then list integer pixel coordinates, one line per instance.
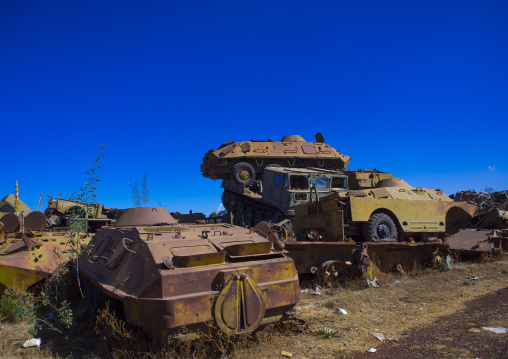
(244, 162)
(175, 280)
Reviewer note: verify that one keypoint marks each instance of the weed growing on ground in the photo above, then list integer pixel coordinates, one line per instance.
(329, 305)
(327, 333)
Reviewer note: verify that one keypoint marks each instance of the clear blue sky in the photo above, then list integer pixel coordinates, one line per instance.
(415, 88)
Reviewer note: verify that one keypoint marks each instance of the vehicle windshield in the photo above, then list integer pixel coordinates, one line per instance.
(320, 183)
(339, 183)
(298, 182)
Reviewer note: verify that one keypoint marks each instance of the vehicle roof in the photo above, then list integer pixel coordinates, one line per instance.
(309, 170)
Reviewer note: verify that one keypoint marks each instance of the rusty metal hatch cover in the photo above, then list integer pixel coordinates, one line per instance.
(11, 223)
(240, 305)
(35, 221)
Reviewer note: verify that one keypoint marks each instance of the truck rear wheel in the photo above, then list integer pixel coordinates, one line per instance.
(244, 173)
(380, 228)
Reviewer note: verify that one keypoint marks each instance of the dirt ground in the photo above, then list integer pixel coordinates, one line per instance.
(430, 314)
(433, 315)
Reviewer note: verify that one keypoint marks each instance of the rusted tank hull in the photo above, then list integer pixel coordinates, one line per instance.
(176, 316)
(361, 258)
(175, 280)
(22, 267)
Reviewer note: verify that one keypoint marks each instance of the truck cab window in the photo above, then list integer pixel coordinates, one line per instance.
(277, 179)
(339, 183)
(299, 182)
(320, 183)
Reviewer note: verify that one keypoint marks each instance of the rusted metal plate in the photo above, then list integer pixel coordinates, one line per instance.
(473, 243)
(245, 249)
(10, 223)
(35, 221)
(195, 260)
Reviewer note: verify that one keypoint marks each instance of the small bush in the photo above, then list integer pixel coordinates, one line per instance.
(16, 307)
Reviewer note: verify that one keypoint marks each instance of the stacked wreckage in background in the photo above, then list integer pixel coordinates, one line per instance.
(488, 232)
(331, 209)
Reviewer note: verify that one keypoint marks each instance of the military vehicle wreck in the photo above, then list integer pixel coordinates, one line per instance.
(28, 253)
(332, 209)
(175, 281)
(335, 205)
(244, 162)
(61, 212)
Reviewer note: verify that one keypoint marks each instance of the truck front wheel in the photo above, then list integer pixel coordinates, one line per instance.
(380, 228)
(244, 173)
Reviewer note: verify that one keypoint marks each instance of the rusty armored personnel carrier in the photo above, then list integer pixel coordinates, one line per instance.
(244, 162)
(175, 281)
(28, 253)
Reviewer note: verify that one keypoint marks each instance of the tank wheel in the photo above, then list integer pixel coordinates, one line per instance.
(380, 228)
(331, 271)
(268, 216)
(232, 203)
(225, 201)
(278, 217)
(258, 217)
(249, 215)
(239, 210)
(244, 173)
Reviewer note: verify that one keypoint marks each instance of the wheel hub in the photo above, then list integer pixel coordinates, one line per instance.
(383, 231)
(244, 175)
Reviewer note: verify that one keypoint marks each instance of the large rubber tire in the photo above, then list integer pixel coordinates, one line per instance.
(244, 173)
(380, 228)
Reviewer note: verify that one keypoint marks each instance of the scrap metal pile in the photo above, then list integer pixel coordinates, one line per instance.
(492, 207)
(487, 233)
(28, 252)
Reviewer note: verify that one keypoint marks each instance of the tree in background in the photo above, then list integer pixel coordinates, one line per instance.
(144, 190)
(140, 197)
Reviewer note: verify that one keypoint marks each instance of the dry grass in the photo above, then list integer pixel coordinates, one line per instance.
(415, 301)
(392, 310)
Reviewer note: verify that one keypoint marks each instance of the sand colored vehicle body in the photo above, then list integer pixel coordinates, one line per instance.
(245, 161)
